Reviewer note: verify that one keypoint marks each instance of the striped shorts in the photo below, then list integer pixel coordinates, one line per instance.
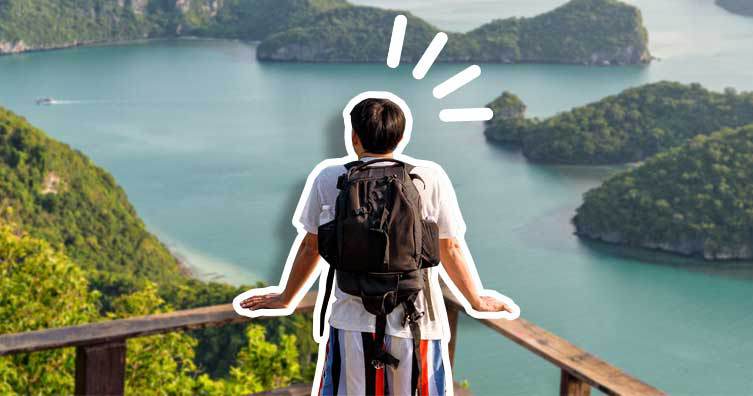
(347, 372)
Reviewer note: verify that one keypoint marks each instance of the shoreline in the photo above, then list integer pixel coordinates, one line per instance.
(198, 265)
(116, 43)
(264, 59)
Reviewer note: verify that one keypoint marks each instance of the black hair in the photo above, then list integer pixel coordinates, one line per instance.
(379, 124)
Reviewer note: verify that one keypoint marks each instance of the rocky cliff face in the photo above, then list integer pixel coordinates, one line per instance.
(16, 47)
(8, 47)
(690, 248)
(322, 51)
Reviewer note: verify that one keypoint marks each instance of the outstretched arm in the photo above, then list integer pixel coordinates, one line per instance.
(453, 260)
(304, 264)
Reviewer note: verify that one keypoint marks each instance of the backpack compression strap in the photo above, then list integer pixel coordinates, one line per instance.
(379, 354)
(412, 315)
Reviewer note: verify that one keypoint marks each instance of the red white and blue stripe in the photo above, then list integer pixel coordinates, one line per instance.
(348, 372)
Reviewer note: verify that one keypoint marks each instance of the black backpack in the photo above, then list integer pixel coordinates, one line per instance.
(379, 246)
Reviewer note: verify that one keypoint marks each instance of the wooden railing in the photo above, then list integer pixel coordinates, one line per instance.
(101, 348)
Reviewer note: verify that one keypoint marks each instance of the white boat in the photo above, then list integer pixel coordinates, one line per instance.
(46, 101)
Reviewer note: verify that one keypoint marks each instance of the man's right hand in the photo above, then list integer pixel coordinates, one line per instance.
(265, 301)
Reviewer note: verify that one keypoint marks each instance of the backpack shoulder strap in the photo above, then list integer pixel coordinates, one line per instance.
(325, 303)
(408, 169)
(352, 164)
(344, 177)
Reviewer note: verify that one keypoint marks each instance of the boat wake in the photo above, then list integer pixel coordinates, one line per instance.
(51, 101)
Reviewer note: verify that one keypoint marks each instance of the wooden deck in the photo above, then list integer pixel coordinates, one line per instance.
(101, 349)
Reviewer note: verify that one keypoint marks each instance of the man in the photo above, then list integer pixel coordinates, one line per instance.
(420, 362)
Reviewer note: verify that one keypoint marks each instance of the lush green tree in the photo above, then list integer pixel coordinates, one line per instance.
(218, 347)
(696, 199)
(160, 364)
(39, 288)
(261, 365)
(42, 288)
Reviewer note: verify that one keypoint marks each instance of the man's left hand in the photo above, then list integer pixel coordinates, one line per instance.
(491, 304)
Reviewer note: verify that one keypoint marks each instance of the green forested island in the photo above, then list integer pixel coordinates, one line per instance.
(46, 24)
(602, 32)
(628, 127)
(696, 199)
(73, 250)
(581, 31)
(742, 7)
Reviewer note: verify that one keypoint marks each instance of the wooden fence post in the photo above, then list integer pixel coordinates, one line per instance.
(100, 368)
(572, 386)
(452, 317)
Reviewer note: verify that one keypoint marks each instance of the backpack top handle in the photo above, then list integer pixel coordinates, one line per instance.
(361, 164)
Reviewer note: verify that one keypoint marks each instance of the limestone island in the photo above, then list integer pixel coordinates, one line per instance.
(693, 200)
(628, 127)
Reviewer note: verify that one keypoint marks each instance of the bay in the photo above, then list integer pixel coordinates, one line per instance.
(213, 147)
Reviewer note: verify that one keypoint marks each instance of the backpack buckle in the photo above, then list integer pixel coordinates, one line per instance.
(412, 317)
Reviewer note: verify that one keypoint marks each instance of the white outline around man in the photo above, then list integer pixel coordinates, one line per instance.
(303, 265)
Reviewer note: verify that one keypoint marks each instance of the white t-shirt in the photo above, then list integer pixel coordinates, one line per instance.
(438, 203)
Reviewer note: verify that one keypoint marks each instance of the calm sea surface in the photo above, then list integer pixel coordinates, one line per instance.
(213, 148)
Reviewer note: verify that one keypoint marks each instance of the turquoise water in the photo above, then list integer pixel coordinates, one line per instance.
(213, 149)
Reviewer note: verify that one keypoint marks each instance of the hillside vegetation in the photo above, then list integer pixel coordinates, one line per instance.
(55, 193)
(257, 19)
(73, 250)
(628, 127)
(45, 24)
(582, 31)
(696, 199)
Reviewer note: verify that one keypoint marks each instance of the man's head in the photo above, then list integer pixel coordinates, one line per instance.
(378, 126)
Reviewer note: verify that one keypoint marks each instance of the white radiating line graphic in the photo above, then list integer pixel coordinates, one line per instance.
(453, 83)
(396, 42)
(469, 114)
(430, 55)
